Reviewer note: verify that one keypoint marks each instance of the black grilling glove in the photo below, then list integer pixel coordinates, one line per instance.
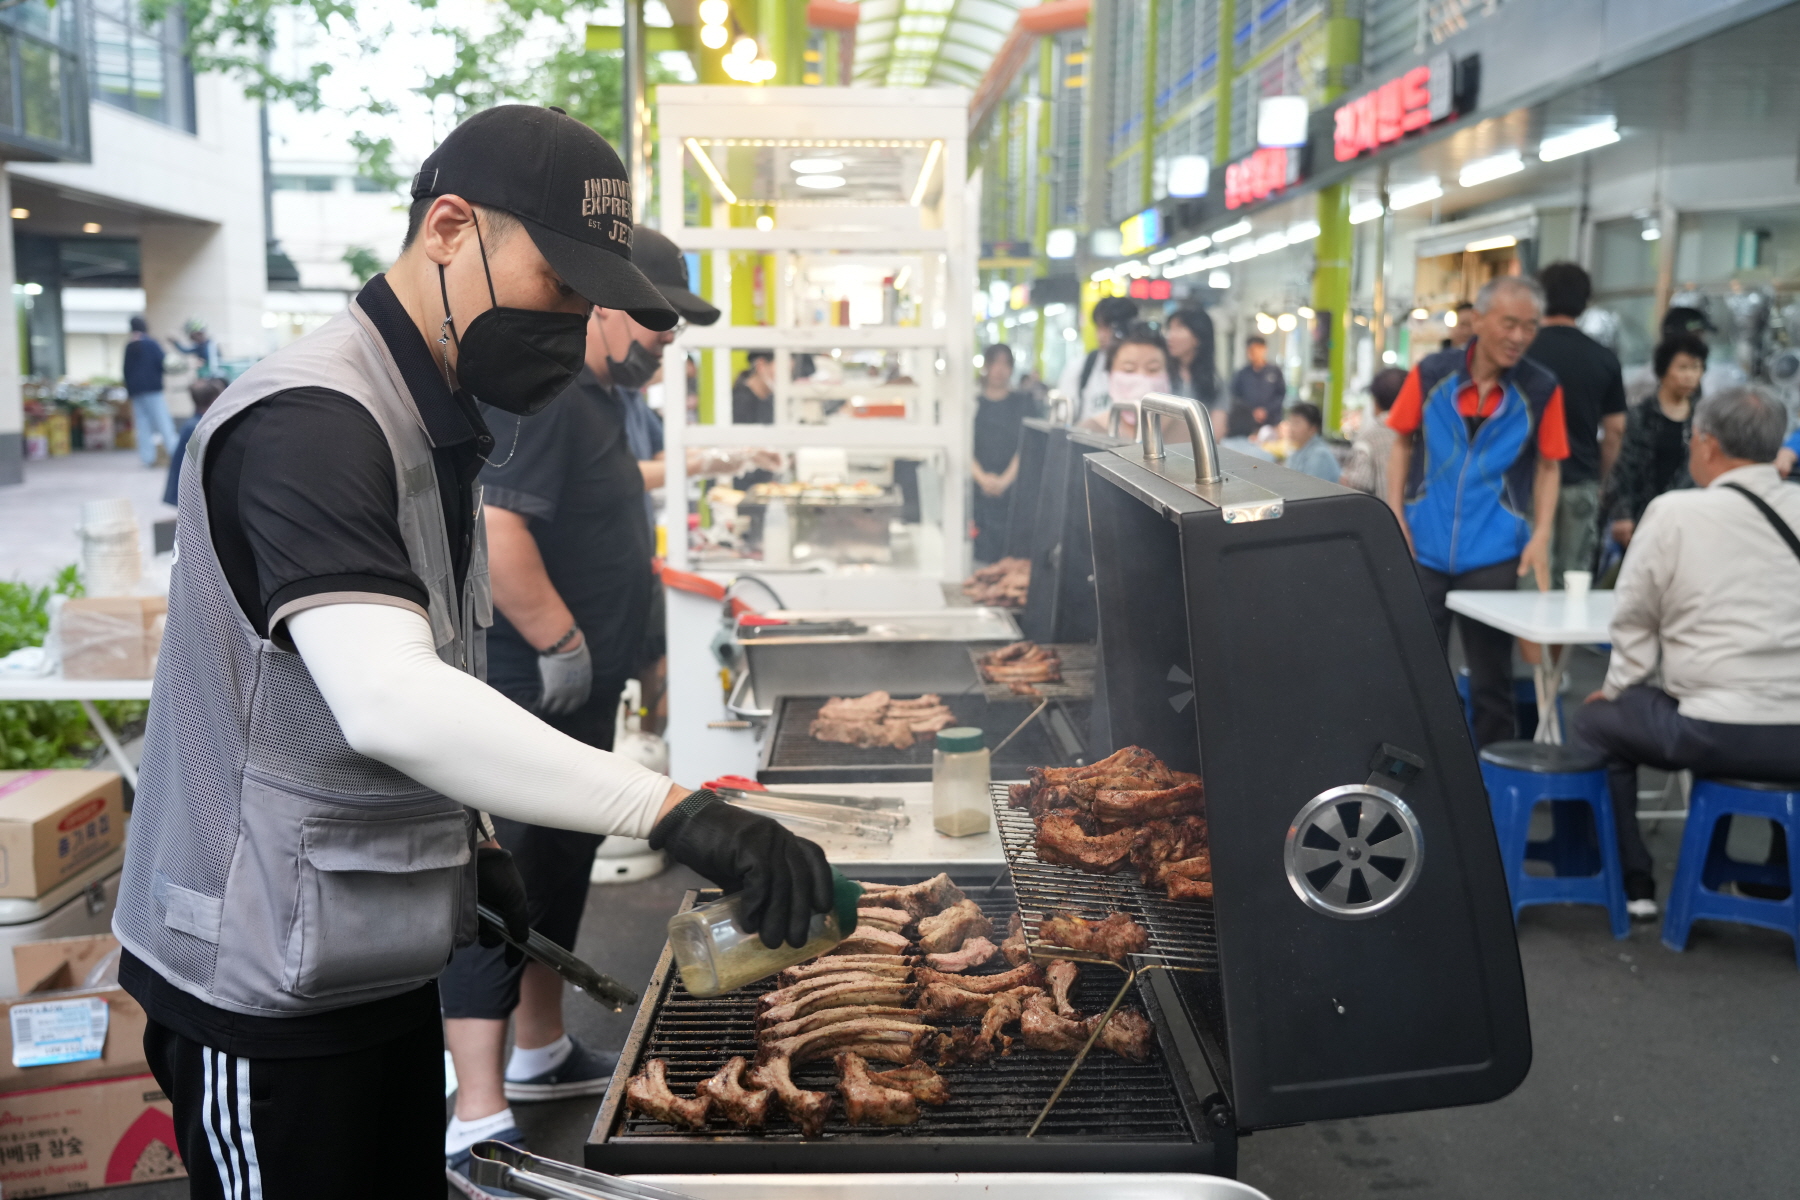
(784, 879)
(500, 887)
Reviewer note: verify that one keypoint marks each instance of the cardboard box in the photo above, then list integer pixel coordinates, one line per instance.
(54, 823)
(53, 971)
(111, 637)
(82, 1136)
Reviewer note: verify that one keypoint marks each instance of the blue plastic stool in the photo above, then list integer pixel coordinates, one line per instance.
(1703, 865)
(1521, 774)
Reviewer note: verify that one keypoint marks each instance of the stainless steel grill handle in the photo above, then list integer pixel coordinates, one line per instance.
(1200, 434)
(1115, 416)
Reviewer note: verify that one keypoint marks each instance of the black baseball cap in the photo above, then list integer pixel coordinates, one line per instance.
(565, 185)
(1681, 319)
(664, 265)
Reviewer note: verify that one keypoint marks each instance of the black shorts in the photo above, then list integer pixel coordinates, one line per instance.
(367, 1125)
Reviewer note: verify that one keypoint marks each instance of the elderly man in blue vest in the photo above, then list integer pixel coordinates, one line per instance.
(1473, 478)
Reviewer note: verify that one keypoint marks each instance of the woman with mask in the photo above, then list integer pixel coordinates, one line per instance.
(312, 826)
(1189, 334)
(1653, 457)
(1137, 366)
(1000, 414)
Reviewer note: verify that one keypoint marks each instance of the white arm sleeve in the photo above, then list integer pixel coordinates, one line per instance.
(400, 704)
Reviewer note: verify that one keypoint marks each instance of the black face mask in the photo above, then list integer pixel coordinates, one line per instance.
(639, 368)
(515, 359)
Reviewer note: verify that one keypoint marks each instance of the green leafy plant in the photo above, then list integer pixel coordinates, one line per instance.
(36, 735)
(363, 263)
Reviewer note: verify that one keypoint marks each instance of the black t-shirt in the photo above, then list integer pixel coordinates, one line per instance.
(748, 408)
(303, 502)
(998, 424)
(1593, 386)
(575, 479)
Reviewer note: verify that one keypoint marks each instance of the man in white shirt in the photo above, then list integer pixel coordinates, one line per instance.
(1709, 598)
(1085, 380)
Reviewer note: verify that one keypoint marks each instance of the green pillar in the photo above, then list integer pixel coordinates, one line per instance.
(1222, 81)
(781, 27)
(1336, 242)
(1147, 155)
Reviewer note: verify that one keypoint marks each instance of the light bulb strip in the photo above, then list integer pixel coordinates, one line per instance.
(711, 170)
(931, 160)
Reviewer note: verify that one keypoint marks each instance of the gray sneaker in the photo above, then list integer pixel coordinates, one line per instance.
(584, 1073)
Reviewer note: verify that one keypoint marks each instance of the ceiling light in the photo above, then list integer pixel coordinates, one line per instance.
(1305, 231)
(711, 170)
(1389, 357)
(1364, 211)
(713, 36)
(91, 227)
(1414, 193)
(1189, 175)
(820, 181)
(1199, 243)
(1219, 279)
(1486, 170)
(1162, 256)
(931, 161)
(816, 166)
(1579, 141)
(1493, 243)
(744, 48)
(764, 223)
(1651, 234)
(20, 214)
(1419, 314)
(1270, 242)
(1265, 324)
(1449, 317)
(1281, 121)
(1231, 231)
(1306, 314)
(1059, 243)
(714, 12)
(1243, 251)
(1287, 322)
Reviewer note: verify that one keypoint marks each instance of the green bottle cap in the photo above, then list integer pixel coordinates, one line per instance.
(845, 893)
(961, 740)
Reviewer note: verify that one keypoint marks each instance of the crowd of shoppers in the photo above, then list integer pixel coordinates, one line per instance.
(1000, 412)
(1086, 380)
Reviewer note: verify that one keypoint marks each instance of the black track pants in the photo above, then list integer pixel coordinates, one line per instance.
(369, 1124)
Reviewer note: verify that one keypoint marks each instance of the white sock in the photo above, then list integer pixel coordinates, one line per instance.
(527, 1064)
(459, 1135)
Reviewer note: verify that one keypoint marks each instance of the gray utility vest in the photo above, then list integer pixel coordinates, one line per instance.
(271, 870)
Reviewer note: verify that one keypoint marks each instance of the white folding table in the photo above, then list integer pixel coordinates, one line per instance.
(84, 692)
(1553, 620)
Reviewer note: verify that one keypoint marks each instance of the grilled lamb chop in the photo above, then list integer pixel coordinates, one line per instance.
(921, 899)
(871, 941)
(1005, 1010)
(885, 992)
(1113, 937)
(649, 1094)
(894, 920)
(1129, 1034)
(837, 964)
(1004, 584)
(864, 735)
(918, 704)
(925, 1084)
(860, 708)
(873, 1037)
(1022, 662)
(817, 983)
(1063, 975)
(1062, 840)
(975, 952)
(742, 1107)
(1015, 947)
(1181, 888)
(806, 1109)
(1116, 807)
(1045, 1029)
(1163, 841)
(1029, 975)
(941, 1001)
(835, 1016)
(948, 930)
(869, 1103)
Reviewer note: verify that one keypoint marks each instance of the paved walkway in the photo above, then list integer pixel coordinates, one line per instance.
(38, 517)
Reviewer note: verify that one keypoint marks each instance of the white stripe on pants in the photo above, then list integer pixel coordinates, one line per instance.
(232, 1141)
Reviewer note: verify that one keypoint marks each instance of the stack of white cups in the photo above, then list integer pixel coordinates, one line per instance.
(111, 557)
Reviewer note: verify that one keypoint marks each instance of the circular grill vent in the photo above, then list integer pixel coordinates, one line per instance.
(1354, 852)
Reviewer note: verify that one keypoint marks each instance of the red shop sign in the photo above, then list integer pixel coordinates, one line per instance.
(1420, 97)
(1258, 176)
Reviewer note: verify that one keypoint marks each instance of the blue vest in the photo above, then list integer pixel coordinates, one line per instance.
(1468, 500)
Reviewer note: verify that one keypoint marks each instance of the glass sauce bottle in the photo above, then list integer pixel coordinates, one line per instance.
(715, 954)
(959, 783)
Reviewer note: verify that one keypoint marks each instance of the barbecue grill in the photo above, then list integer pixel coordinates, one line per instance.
(1267, 630)
(1159, 1115)
(1034, 442)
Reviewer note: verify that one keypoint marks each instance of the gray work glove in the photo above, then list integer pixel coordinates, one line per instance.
(567, 678)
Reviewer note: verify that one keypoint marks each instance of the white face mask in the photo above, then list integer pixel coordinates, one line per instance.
(1131, 389)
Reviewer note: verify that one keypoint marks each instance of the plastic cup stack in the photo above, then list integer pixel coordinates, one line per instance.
(111, 557)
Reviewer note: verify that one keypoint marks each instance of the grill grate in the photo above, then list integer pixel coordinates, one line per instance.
(1077, 675)
(1110, 1099)
(1181, 931)
(793, 755)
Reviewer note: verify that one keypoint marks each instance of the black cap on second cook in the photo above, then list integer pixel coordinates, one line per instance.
(565, 185)
(663, 264)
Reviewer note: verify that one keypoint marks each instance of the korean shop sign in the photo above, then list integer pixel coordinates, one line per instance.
(1261, 174)
(1414, 100)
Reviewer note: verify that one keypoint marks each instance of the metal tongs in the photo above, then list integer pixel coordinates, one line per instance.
(848, 816)
(602, 989)
(742, 783)
(498, 1165)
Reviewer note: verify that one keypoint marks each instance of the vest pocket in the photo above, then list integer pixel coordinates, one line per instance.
(378, 902)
